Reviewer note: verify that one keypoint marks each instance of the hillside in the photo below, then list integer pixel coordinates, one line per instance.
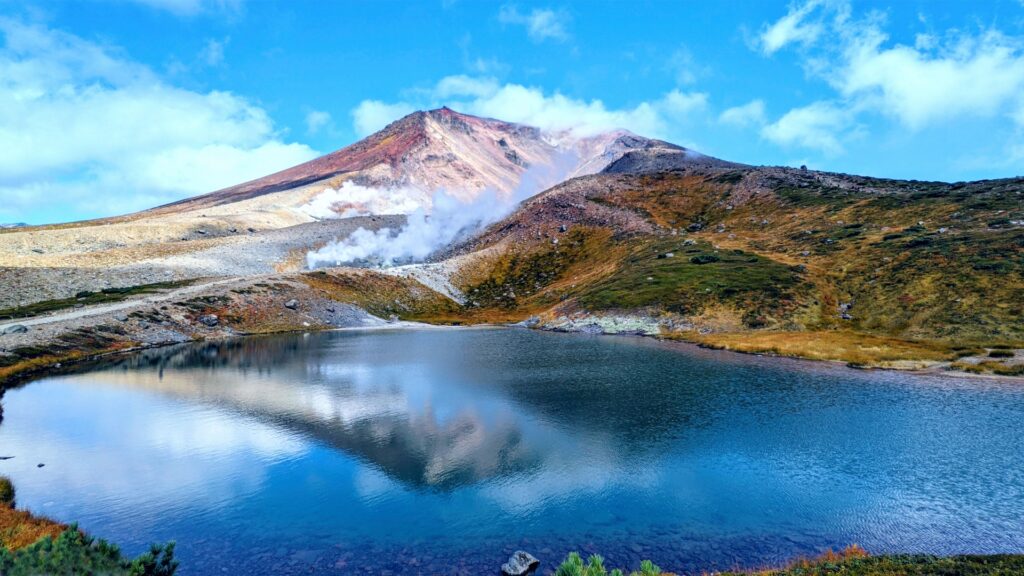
(753, 258)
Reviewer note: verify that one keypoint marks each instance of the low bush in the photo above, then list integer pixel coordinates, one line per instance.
(74, 553)
(6, 492)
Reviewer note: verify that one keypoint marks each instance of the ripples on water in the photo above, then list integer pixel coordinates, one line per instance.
(442, 451)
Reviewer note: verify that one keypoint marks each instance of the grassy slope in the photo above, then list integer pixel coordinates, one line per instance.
(763, 259)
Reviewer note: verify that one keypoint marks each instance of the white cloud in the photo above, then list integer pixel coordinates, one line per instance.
(816, 126)
(979, 76)
(90, 132)
(372, 115)
(540, 23)
(532, 106)
(940, 78)
(749, 114)
(794, 27)
(316, 120)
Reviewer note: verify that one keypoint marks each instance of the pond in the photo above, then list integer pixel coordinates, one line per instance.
(443, 450)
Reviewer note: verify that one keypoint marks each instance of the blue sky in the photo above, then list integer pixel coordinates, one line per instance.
(112, 106)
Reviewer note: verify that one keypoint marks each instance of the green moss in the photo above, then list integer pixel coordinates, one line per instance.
(695, 276)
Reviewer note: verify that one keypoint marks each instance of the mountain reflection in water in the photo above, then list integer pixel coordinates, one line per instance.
(434, 451)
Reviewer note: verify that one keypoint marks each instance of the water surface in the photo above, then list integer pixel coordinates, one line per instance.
(441, 451)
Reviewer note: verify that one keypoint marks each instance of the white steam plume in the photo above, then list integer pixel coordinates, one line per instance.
(354, 200)
(434, 224)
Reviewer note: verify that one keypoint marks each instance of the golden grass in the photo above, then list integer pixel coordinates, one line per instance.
(19, 528)
(851, 347)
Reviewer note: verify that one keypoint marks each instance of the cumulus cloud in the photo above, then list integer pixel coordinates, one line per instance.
(316, 120)
(968, 75)
(529, 105)
(749, 114)
(89, 132)
(372, 115)
(540, 23)
(815, 126)
(940, 78)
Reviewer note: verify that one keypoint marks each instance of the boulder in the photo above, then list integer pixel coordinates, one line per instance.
(291, 304)
(15, 329)
(121, 317)
(210, 320)
(519, 564)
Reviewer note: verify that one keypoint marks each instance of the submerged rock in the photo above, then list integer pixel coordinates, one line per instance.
(519, 563)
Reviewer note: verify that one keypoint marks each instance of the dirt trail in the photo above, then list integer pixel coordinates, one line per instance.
(76, 313)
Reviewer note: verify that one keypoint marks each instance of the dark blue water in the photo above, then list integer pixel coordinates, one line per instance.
(441, 451)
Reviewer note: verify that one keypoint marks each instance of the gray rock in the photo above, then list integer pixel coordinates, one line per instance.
(530, 322)
(121, 317)
(15, 329)
(291, 304)
(210, 320)
(563, 228)
(519, 564)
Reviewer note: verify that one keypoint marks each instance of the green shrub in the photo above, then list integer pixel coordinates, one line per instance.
(704, 259)
(6, 492)
(73, 553)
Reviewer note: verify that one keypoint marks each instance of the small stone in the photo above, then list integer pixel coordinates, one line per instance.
(291, 304)
(519, 564)
(563, 228)
(210, 320)
(201, 231)
(37, 250)
(121, 317)
(15, 329)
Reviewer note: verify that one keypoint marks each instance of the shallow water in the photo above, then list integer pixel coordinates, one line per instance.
(441, 451)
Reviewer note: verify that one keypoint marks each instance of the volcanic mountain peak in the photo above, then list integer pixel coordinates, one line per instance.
(436, 149)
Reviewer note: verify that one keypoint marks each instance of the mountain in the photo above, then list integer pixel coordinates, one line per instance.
(625, 234)
(440, 149)
(765, 259)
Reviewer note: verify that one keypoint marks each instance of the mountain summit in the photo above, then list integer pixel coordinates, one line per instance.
(440, 149)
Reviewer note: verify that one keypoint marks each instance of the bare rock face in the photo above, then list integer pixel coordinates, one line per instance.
(519, 564)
